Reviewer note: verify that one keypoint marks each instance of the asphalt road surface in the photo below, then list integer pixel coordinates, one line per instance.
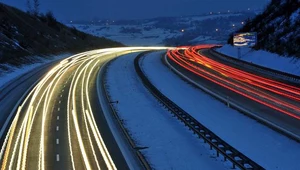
(278, 118)
(60, 123)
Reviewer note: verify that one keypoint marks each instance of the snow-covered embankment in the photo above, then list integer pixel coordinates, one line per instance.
(169, 145)
(260, 143)
(263, 58)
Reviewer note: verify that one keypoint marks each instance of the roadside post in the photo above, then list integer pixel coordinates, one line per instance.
(246, 39)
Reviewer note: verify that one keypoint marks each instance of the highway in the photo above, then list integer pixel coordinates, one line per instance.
(60, 123)
(274, 101)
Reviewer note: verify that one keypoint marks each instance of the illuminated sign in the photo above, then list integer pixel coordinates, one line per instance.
(247, 39)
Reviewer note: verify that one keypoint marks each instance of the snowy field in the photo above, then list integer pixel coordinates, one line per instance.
(155, 36)
(151, 32)
(169, 144)
(14, 72)
(263, 145)
(264, 58)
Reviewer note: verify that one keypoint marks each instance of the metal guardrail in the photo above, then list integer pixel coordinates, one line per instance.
(11, 85)
(139, 155)
(237, 158)
(262, 69)
(232, 104)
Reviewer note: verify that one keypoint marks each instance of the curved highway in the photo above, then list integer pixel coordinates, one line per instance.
(274, 101)
(59, 124)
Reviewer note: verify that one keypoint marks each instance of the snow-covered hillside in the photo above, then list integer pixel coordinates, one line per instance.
(11, 72)
(210, 28)
(278, 27)
(23, 35)
(285, 64)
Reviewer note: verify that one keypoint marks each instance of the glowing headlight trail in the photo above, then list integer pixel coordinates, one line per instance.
(14, 122)
(74, 107)
(71, 97)
(22, 142)
(9, 137)
(84, 115)
(45, 109)
(15, 148)
(28, 130)
(35, 91)
(100, 142)
(41, 165)
(40, 98)
(81, 146)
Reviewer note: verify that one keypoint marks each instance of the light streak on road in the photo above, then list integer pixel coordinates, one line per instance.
(8, 139)
(81, 145)
(271, 93)
(27, 140)
(84, 115)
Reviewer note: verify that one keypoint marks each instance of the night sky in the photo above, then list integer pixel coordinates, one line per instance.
(136, 9)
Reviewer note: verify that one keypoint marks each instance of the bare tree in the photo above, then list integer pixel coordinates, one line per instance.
(36, 6)
(28, 5)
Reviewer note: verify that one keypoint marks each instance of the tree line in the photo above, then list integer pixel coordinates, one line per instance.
(33, 7)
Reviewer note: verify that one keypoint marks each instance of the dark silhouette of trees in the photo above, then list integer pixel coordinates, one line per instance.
(36, 7)
(275, 30)
(29, 7)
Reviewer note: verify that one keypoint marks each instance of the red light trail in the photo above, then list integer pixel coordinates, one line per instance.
(276, 95)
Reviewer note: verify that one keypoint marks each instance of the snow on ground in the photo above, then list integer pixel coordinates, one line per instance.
(170, 144)
(265, 146)
(14, 72)
(295, 16)
(191, 19)
(201, 39)
(264, 58)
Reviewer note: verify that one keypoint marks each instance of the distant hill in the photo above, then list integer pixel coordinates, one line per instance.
(278, 28)
(212, 27)
(23, 35)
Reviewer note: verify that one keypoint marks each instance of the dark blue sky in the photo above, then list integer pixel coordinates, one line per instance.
(136, 9)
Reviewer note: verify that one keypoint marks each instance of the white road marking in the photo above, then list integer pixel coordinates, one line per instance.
(59, 102)
(57, 128)
(57, 157)
(57, 141)
(58, 109)
(57, 117)
(61, 95)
